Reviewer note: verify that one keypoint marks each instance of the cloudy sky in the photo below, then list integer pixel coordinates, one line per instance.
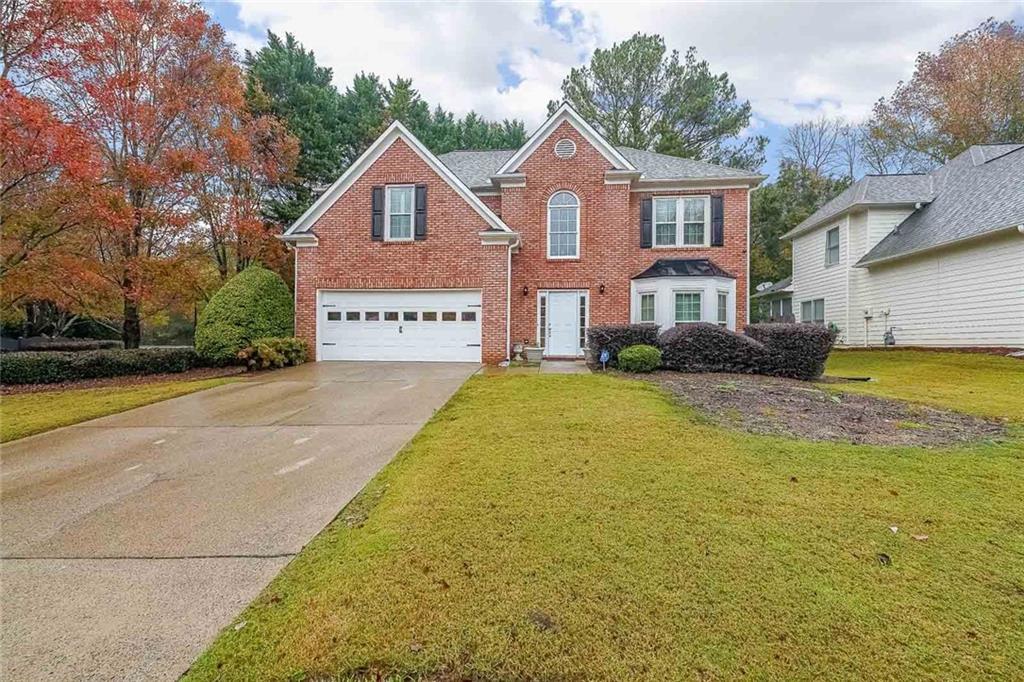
(793, 61)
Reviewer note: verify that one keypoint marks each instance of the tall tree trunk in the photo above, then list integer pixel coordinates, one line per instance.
(131, 329)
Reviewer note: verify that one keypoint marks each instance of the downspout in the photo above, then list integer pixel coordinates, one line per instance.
(508, 301)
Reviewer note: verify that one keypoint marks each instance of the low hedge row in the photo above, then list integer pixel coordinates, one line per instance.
(50, 367)
(44, 343)
(797, 351)
(614, 337)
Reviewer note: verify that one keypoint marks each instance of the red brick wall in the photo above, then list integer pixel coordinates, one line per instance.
(450, 257)
(610, 252)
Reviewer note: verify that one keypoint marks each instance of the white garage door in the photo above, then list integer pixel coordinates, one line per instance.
(432, 326)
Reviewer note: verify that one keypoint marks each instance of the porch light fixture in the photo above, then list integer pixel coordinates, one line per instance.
(526, 290)
(601, 288)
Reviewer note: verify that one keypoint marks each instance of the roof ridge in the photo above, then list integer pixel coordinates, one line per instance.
(1017, 148)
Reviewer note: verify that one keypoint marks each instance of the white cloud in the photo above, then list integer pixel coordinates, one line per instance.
(793, 61)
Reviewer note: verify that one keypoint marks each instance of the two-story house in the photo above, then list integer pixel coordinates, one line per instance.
(413, 256)
(934, 259)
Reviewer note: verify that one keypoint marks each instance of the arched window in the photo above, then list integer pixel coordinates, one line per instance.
(563, 225)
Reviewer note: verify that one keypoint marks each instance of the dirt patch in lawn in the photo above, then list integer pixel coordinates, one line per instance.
(191, 375)
(786, 407)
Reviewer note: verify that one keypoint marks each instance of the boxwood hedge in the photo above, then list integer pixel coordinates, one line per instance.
(254, 304)
(50, 367)
(639, 358)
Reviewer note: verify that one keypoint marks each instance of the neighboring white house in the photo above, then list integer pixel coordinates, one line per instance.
(937, 258)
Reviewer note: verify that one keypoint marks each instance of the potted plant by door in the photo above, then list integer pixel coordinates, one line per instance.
(533, 352)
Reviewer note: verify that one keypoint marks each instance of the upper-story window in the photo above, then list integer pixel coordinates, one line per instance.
(682, 221)
(398, 211)
(563, 225)
(832, 246)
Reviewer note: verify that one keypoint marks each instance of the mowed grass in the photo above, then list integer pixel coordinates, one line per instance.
(588, 528)
(26, 414)
(981, 384)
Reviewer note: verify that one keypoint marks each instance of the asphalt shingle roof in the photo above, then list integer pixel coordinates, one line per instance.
(979, 191)
(684, 267)
(871, 189)
(781, 285)
(475, 168)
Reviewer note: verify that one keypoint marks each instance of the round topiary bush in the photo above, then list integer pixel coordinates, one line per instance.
(639, 358)
(254, 304)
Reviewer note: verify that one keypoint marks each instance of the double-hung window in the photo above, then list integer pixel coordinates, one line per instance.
(563, 225)
(398, 210)
(682, 221)
(647, 307)
(813, 311)
(688, 306)
(832, 246)
(723, 308)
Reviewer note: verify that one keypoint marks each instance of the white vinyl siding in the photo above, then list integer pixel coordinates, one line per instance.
(966, 295)
(813, 279)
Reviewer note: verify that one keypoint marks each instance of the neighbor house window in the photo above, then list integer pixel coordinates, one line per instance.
(832, 246)
(723, 308)
(688, 305)
(398, 209)
(647, 307)
(681, 221)
(563, 225)
(813, 311)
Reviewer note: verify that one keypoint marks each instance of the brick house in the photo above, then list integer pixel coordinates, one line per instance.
(412, 256)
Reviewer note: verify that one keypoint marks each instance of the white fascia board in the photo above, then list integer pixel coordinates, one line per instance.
(697, 183)
(394, 132)
(566, 113)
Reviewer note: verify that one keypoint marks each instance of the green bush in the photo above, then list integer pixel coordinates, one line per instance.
(254, 304)
(269, 353)
(639, 358)
(51, 367)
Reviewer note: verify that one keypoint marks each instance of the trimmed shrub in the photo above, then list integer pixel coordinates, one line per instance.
(45, 343)
(639, 358)
(705, 347)
(50, 367)
(798, 351)
(614, 337)
(268, 353)
(254, 304)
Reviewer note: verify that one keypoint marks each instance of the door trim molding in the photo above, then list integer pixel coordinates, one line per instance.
(542, 333)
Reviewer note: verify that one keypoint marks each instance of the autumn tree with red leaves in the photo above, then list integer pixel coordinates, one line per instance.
(149, 160)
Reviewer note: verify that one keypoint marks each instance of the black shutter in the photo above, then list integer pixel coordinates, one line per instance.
(646, 229)
(377, 222)
(717, 222)
(421, 212)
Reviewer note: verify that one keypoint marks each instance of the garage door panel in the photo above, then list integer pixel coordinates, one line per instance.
(419, 325)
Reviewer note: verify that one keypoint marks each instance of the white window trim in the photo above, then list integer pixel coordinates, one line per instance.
(640, 308)
(718, 317)
(811, 302)
(543, 293)
(387, 214)
(839, 248)
(680, 221)
(578, 226)
(700, 295)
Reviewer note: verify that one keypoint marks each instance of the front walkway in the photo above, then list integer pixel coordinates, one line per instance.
(129, 541)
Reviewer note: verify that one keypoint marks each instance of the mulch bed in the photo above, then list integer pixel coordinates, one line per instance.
(191, 375)
(786, 407)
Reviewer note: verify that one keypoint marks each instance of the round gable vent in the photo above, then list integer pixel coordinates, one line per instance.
(565, 148)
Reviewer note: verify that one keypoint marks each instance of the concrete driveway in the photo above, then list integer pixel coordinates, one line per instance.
(129, 541)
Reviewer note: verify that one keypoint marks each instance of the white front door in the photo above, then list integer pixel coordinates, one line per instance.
(563, 333)
(424, 325)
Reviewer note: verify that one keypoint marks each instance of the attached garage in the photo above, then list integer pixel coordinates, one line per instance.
(437, 325)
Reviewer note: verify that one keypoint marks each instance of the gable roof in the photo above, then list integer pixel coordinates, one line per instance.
(476, 167)
(565, 113)
(396, 131)
(871, 190)
(978, 192)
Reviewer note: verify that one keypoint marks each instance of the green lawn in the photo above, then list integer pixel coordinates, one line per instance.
(588, 528)
(25, 414)
(986, 385)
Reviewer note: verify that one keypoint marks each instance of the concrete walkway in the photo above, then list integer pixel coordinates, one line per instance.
(129, 541)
